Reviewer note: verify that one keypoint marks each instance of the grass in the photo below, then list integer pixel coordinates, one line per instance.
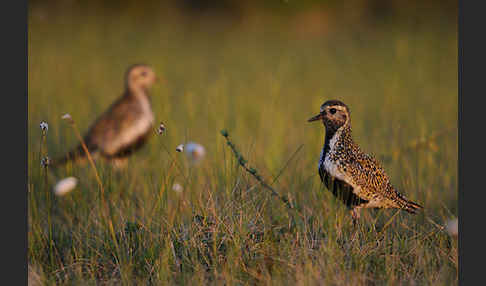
(260, 79)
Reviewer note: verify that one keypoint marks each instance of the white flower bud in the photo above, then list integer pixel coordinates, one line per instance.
(177, 188)
(195, 152)
(65, 185)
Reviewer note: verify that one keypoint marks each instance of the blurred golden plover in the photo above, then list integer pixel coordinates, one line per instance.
(352, 176)
(125, 126)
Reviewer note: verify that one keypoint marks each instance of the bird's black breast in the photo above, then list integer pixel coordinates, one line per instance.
(340, 189)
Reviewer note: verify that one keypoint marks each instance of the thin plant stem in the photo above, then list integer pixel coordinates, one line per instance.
(286, 164)
(177, 165)
(163, 186)
(243, 163)
(88, 154)
(104, 207)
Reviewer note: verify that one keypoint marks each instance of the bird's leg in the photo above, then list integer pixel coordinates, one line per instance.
(119, 163)
(355, 215)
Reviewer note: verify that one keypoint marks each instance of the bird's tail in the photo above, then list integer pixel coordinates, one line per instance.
(407, 205)
(76, 155)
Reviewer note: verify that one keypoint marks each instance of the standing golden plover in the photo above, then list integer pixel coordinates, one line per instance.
(125, 126)
(352, 176)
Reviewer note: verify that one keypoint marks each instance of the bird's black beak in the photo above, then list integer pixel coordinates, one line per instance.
(317, 117)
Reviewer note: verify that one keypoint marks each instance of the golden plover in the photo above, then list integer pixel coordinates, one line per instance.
(125, 126)
(352, 176)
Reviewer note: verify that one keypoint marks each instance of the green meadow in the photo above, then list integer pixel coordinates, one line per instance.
(259, 76)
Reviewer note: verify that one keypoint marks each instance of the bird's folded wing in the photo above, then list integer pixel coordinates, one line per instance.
(121, 126)
(368, 177)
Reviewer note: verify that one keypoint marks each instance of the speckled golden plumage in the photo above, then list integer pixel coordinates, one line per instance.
(353, 176)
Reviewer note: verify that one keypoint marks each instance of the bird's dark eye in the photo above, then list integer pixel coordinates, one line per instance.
(332, 110)
(144, 74)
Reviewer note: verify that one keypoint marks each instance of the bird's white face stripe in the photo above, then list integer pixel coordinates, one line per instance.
(338, 107)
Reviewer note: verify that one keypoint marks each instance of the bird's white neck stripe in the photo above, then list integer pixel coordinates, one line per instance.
(335, 138)
(332, 145)
(329, 165)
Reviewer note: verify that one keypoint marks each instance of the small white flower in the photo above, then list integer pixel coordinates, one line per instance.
(180, 148)
(161, 128)
(65, 185)
(68, 118)
(46, 161)
(177, 188)
(195, 152)
(44, 126)
(452, 227)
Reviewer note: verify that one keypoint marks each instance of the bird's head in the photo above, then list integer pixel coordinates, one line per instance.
(333, 114)
(140, 77)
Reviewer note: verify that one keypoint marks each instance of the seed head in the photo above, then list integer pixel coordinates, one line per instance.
(44, 127)
(46, 161)
(161, 128)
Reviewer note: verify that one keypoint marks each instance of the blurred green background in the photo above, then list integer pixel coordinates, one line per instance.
(259, 69)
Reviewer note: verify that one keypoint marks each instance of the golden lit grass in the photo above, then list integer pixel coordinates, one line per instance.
(260, 82)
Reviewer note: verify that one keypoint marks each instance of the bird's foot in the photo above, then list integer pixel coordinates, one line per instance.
(355, 216)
